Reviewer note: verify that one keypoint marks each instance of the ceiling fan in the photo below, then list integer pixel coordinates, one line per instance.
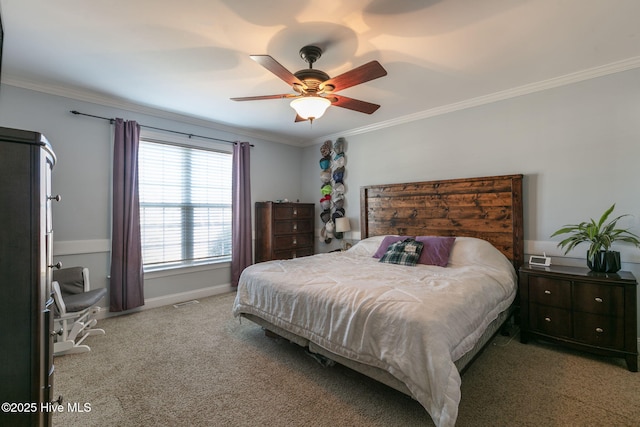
(315, 90)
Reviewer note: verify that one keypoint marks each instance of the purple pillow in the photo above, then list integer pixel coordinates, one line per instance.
(436, 250)
(388, 241)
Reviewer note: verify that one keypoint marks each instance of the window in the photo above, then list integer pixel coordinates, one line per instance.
(185, 204)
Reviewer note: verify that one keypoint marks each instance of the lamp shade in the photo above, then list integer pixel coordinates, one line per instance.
(310, 107)
(342, 225)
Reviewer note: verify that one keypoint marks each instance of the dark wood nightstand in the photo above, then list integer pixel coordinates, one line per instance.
(574, 306)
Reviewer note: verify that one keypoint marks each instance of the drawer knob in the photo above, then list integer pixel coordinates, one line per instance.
(599, 330)
(547, 292)
(598, 299)
(547, 319)
(295, 241)
(295, 212)
(295, 226)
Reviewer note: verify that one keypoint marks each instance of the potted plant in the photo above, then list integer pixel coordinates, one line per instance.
(600, 236)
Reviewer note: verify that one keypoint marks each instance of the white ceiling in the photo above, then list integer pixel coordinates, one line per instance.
(190, 56)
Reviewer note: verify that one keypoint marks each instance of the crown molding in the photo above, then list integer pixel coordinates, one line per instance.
(122, 104)
(108, 101)
(604, 70)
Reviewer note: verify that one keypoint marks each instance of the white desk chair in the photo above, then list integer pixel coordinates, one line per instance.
(75, 309)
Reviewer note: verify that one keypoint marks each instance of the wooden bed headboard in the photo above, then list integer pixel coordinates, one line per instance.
(488, 208)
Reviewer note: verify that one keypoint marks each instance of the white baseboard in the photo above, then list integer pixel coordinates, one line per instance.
(170, 299)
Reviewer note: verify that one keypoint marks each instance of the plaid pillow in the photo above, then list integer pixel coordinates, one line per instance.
(405, 252)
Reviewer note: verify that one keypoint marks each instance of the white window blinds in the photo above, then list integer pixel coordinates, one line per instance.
(185, 204)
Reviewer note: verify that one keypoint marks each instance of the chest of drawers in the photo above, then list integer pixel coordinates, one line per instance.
(589, 311)
(284, 230)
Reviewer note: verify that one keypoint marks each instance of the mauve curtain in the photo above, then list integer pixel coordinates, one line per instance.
(126, 284)
(241, 248)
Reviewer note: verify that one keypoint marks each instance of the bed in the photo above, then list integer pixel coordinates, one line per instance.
(413, 328)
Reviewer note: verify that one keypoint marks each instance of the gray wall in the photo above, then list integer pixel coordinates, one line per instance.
(577, 145)
(82, 175)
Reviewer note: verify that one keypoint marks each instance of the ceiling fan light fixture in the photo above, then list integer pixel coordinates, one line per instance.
(315, 89)
(310, 107)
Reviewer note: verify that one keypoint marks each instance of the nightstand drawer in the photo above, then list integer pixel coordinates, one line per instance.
(552, 292)
(598, 299)
(602, 331)
(550, 320)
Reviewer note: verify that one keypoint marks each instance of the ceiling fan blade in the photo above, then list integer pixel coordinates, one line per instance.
(258, 98)
(276, 68)
(353, 104)
(364, 73)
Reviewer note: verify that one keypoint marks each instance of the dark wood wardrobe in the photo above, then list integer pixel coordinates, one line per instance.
(26, 262)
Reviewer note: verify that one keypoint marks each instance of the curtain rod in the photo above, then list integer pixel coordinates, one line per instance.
(190, 135)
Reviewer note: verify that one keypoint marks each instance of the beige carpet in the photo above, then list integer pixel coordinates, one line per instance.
(198, 366)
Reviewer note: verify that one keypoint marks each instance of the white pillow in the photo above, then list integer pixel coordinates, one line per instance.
(473, 251)
(367, 247)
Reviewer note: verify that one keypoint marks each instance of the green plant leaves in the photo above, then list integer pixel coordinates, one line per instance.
(600, 235)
